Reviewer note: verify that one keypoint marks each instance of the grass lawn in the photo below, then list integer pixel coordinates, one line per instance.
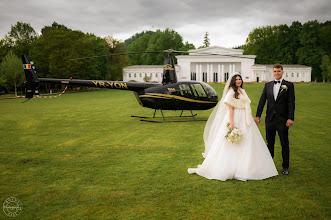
(82, 156)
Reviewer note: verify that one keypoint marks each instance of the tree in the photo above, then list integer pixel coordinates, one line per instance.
(311, 51)
(160, 41)
(20, 38)
(263, 42)
(116, 63)
(139, 45)
(293, 43)
(54, 49)
(137, 36)
(206, 42)
(326, 37)
(11, 72)
(326, 68)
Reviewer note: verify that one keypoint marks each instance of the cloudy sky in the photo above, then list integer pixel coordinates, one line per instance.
(228, 22)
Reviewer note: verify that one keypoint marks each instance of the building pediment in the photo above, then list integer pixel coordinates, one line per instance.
(216, 50)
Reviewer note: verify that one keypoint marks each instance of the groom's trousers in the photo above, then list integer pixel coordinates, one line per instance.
(278, 125)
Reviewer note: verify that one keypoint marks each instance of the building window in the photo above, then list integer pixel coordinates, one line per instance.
(140, 75)
(292, 75)
(193, 76)
(130, 75)
(135, 75)
(215, 77)
(297, 74)
(155, 74)
(247, 77)
(303, 75)
(286, 75)
(204, 77)
(145, 74)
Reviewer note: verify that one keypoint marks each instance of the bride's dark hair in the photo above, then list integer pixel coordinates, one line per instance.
(233, 85)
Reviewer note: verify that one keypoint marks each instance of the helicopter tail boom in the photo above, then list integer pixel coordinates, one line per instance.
(132, 86)
(32, 81)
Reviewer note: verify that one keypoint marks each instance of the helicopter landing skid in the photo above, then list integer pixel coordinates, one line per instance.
(164, 118)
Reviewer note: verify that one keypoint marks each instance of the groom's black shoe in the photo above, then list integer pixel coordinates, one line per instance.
(285, 171)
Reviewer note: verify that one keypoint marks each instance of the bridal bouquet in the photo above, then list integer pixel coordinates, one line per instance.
(234, 135)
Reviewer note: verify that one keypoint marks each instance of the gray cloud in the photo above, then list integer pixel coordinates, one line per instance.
(228, 22)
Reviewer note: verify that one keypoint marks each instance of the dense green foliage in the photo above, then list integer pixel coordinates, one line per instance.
(326, 68)
(296, 44)
(53, 50)
(136, 36)
(158, 41)
(82, 156)
(19, 39)
(11, 72)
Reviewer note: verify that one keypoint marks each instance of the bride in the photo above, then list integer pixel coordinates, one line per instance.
(247, 160)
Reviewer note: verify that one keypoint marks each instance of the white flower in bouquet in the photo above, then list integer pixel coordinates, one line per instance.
(234, 135)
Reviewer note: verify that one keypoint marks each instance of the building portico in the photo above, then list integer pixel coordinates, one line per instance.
(213, 64)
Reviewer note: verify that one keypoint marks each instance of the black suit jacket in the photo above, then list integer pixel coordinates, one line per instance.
(283, 106)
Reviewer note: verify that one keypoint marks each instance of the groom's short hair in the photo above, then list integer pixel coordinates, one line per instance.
(278, 65)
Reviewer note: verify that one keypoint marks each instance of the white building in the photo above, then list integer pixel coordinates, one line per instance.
(292, 72)
(215, 64)
(139, 72)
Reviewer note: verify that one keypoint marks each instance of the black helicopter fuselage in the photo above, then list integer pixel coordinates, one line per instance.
(172, 96)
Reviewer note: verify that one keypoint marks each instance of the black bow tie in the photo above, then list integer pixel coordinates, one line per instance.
(276, 82)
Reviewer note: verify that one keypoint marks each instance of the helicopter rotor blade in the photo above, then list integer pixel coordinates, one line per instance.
(231, 55)
(170, 51)
(115, 54)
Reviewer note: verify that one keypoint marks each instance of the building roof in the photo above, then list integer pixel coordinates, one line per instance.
(216, 50)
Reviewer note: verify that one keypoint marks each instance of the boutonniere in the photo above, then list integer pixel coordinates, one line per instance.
(283, 87)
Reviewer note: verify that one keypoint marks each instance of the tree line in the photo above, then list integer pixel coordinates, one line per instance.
(53, 50)
(307, 44)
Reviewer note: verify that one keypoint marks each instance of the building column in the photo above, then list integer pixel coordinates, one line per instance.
(208, 72)
(222, 73)
(230, 69)
(200, 73)
(234, 68)
(219, 73)
(196, 71)
(211, 73)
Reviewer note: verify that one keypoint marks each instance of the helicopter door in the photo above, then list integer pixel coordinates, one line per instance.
(185, 90)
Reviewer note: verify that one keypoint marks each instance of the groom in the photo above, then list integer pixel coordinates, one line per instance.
(280, 113)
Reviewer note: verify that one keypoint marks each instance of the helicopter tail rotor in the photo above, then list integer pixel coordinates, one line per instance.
(31, 77)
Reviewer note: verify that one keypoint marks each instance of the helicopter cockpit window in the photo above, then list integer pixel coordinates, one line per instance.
(185, 89)
(197, 89)
(210, 91)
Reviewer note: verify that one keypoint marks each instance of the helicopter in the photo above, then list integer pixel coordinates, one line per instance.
(170, 95)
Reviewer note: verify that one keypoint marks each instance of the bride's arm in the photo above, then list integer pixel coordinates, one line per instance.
(231, 109)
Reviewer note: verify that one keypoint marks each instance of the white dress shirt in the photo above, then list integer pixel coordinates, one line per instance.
(276, 88)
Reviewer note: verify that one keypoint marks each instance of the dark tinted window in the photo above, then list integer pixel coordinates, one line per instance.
(198, 90)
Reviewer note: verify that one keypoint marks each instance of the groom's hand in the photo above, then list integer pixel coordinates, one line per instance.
(289, 123)
(257, 120)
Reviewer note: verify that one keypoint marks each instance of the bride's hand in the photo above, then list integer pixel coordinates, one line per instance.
(230, 126)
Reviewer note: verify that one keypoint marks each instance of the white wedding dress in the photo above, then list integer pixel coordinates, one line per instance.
(248, 160)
